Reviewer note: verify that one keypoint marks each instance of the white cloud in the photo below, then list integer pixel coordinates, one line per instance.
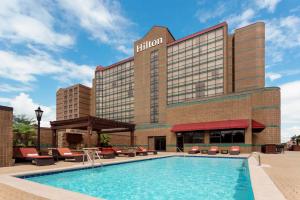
(26, 68)
(14, 88)
(290, 109)
(270, 5)
(30, 21)
(204, 14)
(242, 19)
(273, 76)
(103, 20)
(23, 104)
(284, 32)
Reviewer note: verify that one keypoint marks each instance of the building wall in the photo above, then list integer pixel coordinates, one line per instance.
(262, 105)
(196, 67)
(249, 57)
(266, 109)
(114, 92)
(208, 76)
(142, 75)
(73, 102)
(6, 135)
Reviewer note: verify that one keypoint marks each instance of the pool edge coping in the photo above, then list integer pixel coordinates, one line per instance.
(262, 185)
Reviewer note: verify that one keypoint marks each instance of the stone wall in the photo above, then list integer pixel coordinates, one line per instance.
(6, 135)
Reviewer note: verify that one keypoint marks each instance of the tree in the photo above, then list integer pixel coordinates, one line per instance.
(24, 131)
(296, 138)
(104, 140)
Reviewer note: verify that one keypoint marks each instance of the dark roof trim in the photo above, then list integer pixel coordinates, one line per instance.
(6, 108)
(101, 68)
(198, 33)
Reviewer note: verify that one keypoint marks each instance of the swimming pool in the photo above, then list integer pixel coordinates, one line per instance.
(163, 178)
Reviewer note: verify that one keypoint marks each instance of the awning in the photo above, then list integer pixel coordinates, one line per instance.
(257, 125)
(217, 125)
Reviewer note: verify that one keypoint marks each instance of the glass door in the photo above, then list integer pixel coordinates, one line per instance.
(179, 142)
(160, 143)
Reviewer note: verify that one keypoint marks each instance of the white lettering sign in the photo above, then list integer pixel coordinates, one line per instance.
(145, 45)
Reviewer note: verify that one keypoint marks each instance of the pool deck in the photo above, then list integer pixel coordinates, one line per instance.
(264, 187)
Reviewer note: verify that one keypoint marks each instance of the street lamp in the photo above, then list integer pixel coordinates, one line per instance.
(38, 114)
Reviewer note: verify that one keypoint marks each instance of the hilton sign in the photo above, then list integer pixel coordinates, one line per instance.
(145, 45)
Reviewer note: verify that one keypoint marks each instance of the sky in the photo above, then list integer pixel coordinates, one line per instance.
(49, 44)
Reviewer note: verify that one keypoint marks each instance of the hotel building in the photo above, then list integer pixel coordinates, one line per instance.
(207, 88)
(73, 102)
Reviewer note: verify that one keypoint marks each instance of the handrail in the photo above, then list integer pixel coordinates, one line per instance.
(180, 151)
(87, 152)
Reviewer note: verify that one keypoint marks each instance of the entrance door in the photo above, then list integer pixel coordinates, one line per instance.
(179, 143)
(160, 143)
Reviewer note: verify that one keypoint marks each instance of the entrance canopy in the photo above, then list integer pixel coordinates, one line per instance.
(217, 125)
(90, 124)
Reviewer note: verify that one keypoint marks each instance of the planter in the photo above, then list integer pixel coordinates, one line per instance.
(296, 148)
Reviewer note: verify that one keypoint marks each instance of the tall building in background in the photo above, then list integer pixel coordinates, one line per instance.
(205, 88)
(73, 102)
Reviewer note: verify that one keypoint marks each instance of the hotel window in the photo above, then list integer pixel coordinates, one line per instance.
(154, 87)
(196, 63)
(228, 136)
(193, 137)
(114, 92)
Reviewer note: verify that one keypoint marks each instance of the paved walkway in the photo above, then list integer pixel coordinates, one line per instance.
(284, 170)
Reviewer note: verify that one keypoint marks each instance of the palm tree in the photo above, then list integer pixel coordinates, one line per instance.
(24, 131)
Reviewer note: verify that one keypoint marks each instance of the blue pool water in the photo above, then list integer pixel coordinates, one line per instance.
(165, 178)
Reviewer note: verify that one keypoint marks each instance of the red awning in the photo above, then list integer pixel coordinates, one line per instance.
(216, 125)
(257, 125)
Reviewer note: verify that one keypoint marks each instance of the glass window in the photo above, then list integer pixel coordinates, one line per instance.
(227, 136)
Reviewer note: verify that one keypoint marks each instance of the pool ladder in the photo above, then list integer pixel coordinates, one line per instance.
(91, 159)
(179, 150)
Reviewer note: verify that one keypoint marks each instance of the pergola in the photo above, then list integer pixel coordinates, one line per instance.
(91, 124)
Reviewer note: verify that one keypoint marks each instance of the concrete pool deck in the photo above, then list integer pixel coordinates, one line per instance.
(10, 186)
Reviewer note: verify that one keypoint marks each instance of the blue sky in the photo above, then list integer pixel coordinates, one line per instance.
(45, 45)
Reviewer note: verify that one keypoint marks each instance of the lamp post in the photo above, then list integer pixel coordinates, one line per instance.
(38, 114)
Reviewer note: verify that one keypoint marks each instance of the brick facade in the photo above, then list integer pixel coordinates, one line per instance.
(6, 135)
(207, 76)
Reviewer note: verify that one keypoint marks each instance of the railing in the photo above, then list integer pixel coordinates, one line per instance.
(179, 150)
(90, 154)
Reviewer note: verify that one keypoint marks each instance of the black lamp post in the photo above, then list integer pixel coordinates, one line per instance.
(39, 113)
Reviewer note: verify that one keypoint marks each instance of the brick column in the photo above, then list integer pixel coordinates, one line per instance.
(6, 135)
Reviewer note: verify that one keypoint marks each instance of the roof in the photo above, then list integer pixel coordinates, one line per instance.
(217, 125)
(95, 123)
(6, 108)
(198, 33)
(101, 68)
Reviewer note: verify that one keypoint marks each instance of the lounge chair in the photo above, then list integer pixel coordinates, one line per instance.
(31, 154)
(234, 150)
(107, 153)
(120, 152)
(213, 150)
(143, 151)
(194, 150)
(65, 154)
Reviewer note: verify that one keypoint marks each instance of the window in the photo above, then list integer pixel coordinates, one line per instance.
(114, 93)
(228, 136)
(193, 137)
(201, 58)
(154, 87)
